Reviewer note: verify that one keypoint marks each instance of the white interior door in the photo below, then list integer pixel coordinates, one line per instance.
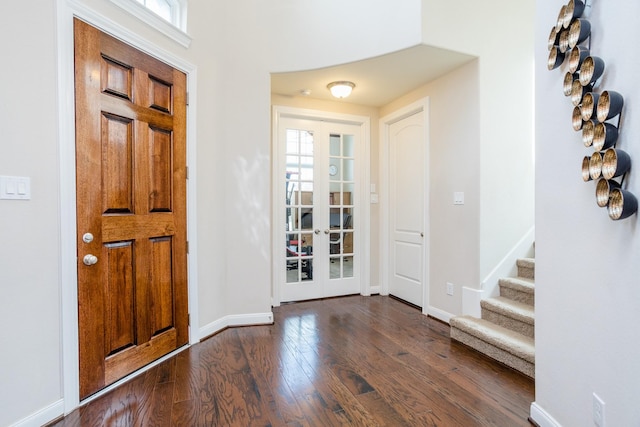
(319, 229)
(407, 215)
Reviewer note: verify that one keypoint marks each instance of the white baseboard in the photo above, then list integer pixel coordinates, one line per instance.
(540, 417)
(236, 320)
(471, 301)
(445, 316)
(43, 416)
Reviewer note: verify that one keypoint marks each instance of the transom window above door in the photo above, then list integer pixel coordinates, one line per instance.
(167, 16)
(166, 9)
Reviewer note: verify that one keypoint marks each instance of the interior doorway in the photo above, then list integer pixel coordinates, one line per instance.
(321, 219)
(405, 206)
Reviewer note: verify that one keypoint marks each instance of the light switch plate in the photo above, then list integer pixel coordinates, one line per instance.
(458, 198)
(15, 188)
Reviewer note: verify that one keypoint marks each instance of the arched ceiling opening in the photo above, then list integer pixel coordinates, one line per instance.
(378, 80)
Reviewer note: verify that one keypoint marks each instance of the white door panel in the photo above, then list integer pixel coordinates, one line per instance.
(407, 197)
(408, 263)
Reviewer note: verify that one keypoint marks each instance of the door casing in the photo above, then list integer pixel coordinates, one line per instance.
(66, 11)
(364, 179)
(385, 217)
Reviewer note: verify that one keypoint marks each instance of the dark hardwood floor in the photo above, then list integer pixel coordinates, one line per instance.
(362, 361)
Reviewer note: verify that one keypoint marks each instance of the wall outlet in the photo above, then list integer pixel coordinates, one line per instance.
(598, 411)
(449, 288)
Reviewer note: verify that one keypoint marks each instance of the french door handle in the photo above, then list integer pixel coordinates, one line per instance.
(326, 231)
(422, 234)
(316, 231)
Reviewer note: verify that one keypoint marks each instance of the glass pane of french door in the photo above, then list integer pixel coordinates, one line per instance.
(341, 186)
(299, 205)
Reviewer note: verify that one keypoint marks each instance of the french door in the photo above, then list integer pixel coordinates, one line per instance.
(318, 222)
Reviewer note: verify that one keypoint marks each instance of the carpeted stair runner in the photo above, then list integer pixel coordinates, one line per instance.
(506, 330)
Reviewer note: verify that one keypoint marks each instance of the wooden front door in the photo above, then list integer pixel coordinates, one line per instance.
(131, 208)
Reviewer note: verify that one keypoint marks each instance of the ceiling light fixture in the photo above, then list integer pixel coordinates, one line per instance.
(341, 89)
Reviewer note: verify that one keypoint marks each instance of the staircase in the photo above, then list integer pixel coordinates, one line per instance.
(506, 330)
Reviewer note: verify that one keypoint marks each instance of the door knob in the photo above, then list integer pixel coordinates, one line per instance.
(89, 259)
(87, 237)
(326, 231)
(316, 231)
(421, 234)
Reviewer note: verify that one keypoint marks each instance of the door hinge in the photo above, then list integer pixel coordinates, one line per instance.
(186, 169)
(187, 247)
(189, 319)
(187, 98)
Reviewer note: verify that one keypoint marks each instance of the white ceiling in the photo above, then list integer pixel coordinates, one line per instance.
(378, 80)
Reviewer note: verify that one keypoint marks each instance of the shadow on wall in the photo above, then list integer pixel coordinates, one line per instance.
(253, 204)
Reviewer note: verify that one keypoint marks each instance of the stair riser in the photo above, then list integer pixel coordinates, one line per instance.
(490, 350)
(508, 322)
(526, 272)
(516, 295)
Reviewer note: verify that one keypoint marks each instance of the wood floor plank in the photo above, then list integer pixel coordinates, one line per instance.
(438, 354)
(352, 361)
(268, 362)
(231, 384)
(416, 401)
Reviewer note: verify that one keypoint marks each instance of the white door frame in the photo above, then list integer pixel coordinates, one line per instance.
(66, 11)
(363, 247)
(385, 213)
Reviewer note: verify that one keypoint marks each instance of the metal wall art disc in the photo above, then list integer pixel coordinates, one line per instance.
(589, 103)
(615, 163)
(588, 132)
(609, 105)
(605, 136)
(603, 191)
(591, 70)
(576, 57)
(586, 176)
(576, 119)
(622, 204)
(595, 166)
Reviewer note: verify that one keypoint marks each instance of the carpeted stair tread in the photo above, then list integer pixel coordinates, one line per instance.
(521, 284)
(526, 267)
(510, 308)
(506, 329)
(526, 262)
(504, 339)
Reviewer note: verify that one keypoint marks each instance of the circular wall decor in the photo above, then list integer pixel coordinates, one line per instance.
(593, 111)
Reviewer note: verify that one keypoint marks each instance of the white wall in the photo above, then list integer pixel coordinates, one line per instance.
(587, 269)
(236, 44)
(308, 35)
(29, 233)
(454, 127)
(500, 33)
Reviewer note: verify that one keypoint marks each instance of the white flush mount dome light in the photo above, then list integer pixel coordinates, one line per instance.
(341, 89)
